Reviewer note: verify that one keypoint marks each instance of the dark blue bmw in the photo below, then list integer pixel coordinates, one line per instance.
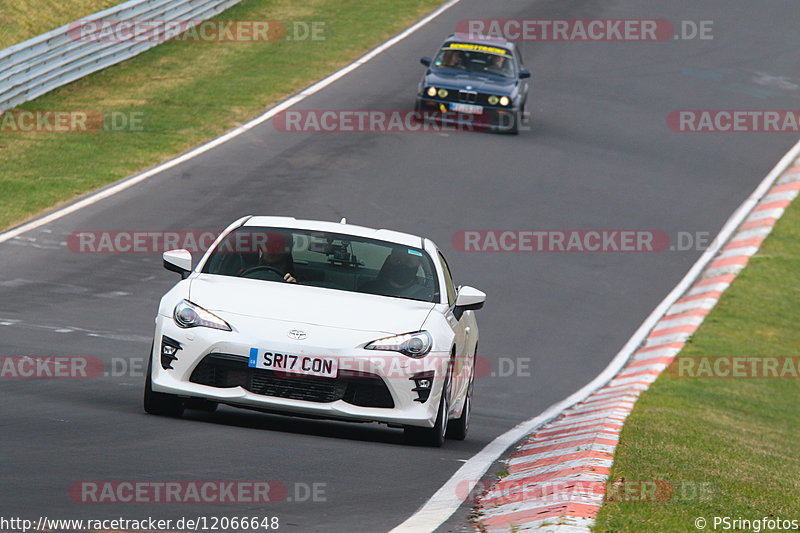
(476, 81)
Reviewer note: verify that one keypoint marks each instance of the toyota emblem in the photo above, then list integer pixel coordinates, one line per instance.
(297, 334)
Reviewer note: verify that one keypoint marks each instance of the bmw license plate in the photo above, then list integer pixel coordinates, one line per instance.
(467, 108)
(295, 364)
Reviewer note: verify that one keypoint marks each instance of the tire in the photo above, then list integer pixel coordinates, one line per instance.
(514, 129)
(457, 429)
(436, 435)
(159, 403)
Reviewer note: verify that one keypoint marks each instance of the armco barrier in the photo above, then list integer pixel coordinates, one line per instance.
(39, 65)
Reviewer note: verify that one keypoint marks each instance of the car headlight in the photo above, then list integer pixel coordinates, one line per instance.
(410, 344)
(442, 93)
(504, 101)
(431, 91)
(189, 315)
(493, 100)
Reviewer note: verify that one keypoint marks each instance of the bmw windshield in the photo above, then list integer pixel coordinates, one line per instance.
(328, 260)
(475, 58)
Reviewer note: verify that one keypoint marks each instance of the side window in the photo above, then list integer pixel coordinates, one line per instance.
(448, 281)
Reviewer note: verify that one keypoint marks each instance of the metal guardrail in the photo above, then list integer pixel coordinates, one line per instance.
(39, 65)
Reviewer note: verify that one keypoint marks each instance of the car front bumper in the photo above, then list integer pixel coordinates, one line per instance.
(212, 364)
(493, 118)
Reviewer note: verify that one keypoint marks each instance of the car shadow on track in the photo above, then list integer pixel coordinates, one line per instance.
(366, 432)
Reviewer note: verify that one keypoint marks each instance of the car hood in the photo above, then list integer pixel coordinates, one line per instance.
(478, 82)
(308, 305)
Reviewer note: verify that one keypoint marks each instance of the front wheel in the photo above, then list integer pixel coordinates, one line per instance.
(515, 123)
(457, 429)
(431, 436)
(159, 403)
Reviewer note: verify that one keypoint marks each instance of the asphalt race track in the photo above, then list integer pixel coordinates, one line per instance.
(599, 155)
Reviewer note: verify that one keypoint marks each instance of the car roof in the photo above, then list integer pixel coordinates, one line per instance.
(479, 39)
(406, 239)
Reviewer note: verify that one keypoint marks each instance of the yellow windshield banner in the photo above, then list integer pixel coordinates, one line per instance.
(477, 47)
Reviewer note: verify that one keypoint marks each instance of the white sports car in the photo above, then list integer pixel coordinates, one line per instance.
(318, 319)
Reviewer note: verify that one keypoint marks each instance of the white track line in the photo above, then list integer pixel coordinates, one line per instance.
(302, 95)
(446, 500)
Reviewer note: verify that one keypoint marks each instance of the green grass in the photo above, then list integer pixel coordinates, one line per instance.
(185, 93)
(735, 440)
(21, 20)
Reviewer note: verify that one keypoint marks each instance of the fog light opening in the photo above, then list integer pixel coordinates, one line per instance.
(169, 350)
(423, 383)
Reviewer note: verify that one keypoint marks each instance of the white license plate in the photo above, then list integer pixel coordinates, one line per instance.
(467, 108)
(296, 364)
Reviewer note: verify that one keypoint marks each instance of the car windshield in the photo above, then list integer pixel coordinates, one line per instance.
(475, 58)
(329, 260)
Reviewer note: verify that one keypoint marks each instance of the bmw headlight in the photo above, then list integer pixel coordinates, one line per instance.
(493, 99)
(442, 93)
(431, 91)
(410, 344)
(189, 315)
(504, 101)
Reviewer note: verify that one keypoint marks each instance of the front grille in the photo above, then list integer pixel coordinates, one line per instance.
(468, 97)
(356, 388)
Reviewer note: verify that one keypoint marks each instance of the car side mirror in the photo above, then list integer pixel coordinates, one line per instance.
(524, 74)
(468, 299)
(179, 261)
(425, 61)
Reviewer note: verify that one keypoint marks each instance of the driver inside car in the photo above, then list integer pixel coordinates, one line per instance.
(276, 255)
(398, 277)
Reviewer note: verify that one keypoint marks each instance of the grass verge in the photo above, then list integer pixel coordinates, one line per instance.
(726, 447)
(21, 20)
(180, 94)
